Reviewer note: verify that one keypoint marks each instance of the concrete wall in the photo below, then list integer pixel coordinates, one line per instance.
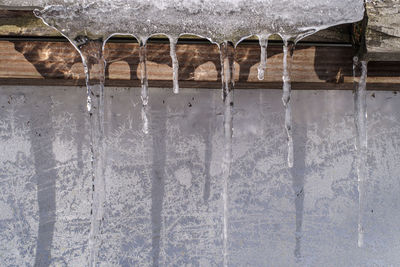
(164, 189)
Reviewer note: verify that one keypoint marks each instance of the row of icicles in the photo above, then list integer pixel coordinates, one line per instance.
(263, 41)
(227, 54)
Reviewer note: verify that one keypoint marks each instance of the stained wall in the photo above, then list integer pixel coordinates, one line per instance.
(163, 200)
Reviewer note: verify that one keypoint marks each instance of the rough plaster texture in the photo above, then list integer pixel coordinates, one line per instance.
(164, 201)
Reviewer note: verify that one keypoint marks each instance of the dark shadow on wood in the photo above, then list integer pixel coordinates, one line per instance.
(332, 64)
(51, 59)
(314, 67)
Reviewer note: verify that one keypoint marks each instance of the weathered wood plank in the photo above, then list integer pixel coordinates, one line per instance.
(23, 23)
(382, 35)
(313, 67)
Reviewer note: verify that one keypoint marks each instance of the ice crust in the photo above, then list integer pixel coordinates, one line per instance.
(226, 20)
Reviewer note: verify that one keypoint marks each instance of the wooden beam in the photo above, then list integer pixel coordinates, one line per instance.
(313, 67)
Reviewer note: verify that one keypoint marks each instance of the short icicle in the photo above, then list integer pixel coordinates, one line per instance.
(263, 40)
(360, 120)
(286, 103)
(227, 54)
(94, 66)
(145, 85)
(175, 64)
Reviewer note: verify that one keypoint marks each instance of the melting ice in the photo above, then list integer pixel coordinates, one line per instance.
(145, 85)
(227, 53)
(94, 66)
(223, 22)
(220, 21)
(287, 89)
(360, 120)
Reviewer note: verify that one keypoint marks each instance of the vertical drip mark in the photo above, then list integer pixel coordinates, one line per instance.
(360, 120)
(227, 54)
(175, 64)
(263, 40)
(159, 156)
(46, 176)
(94, 65)
(208, 140)
(287, 88)
(298, 173)
(145, 85)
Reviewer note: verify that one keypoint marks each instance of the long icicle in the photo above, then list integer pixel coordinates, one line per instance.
(175, 64)
(287, 88)
(263, 40)
(227, 78)
(360, 120)
(92, 58)
(145, 86)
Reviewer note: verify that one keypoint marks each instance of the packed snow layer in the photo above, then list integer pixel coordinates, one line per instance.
(163, 198)
(216, 20)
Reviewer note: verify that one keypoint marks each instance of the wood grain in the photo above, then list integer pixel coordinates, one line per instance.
(313, 67)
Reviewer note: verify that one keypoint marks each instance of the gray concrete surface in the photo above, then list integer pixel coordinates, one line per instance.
(164, 203)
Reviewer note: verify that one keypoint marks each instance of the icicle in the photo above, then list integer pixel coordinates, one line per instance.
(263, 40)
(143, 73)
(144, 83)
(145, 120)
(93, 61)
(286, 103)
(175, 64)
(80, 41)
(227, 74)
(360, 120)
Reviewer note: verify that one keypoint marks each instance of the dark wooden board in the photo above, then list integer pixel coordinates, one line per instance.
(313, 67)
